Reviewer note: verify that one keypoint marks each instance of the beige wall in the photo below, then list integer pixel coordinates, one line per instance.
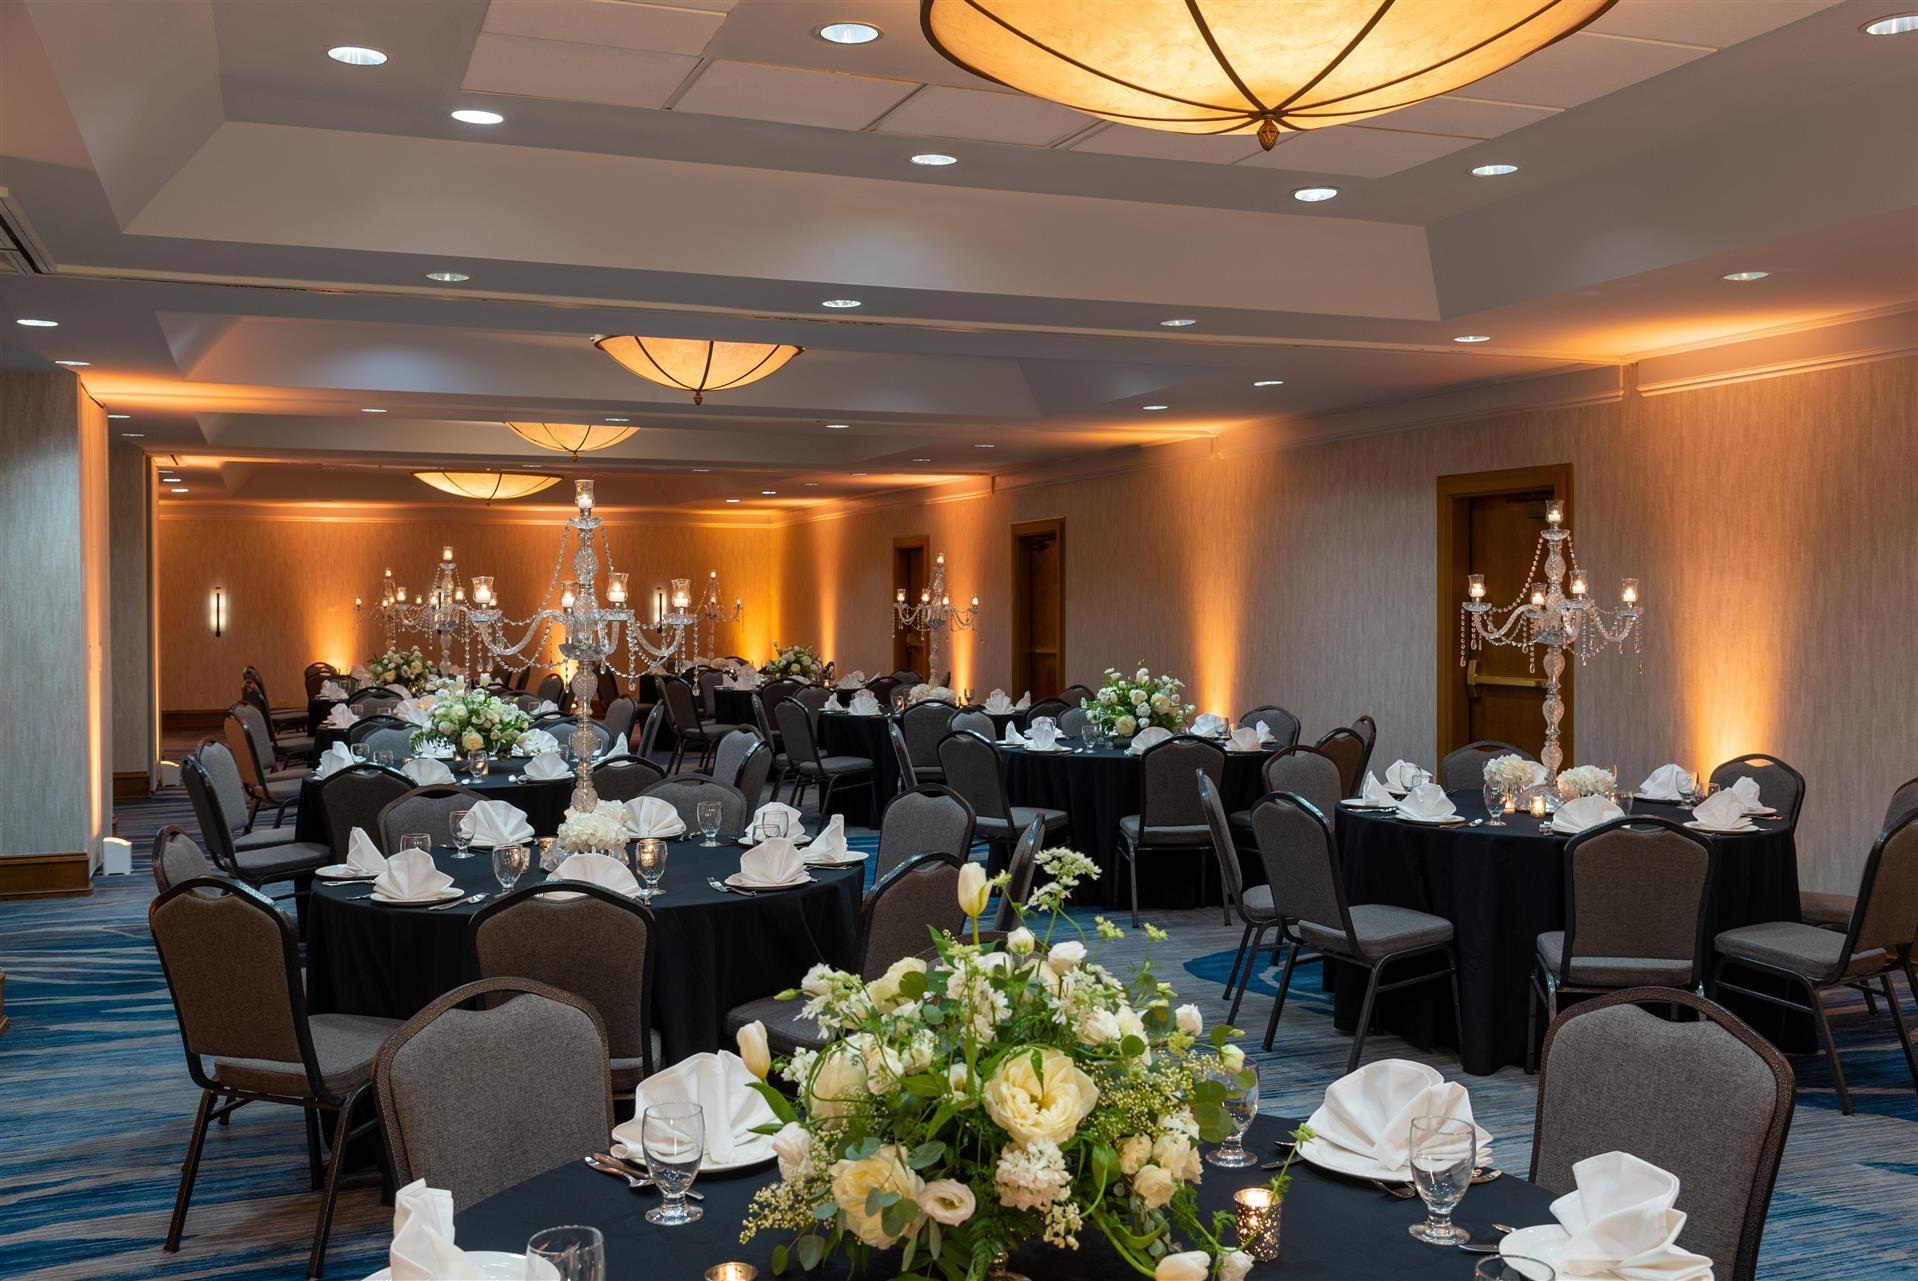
(130, 522)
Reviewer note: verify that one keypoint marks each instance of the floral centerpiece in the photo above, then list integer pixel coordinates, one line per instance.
(799, 661)
(1125, 705)
(1511, 773)
(407, 667)
(1585, 780)
(599, 830)
(469, 721)
(922, 693)
(1000, 1093)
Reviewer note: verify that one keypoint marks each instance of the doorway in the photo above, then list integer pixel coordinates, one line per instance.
(1038, 607)
(909, 572)
(1489, 523)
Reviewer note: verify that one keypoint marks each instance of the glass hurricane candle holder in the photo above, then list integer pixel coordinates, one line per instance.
(1258, 1213)
(1538, 805)
(731, 1272)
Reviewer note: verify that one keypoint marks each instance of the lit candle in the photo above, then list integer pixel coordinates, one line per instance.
(731, 1272)
(940, 559)
(1628, 591)
(583, 495)
(649, 852)
(616, 589)
(1538, 594)
(1578, 582)
(356, 602)
(946, 601)
(568, 593)
(400, 593)
(459, 594)
(389, 573)
(483, 589)
(682, 594)
(1475, 586)
(975, 602)
(446, 553)
(1510, 804)
(900, 596)
(925, 596)
(1258, 1222)
(1538, 805)
(1555, 512)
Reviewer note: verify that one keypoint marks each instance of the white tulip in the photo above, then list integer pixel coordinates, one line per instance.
(1066, 957)
(1193, 1265)
(1021, 941)
(793, 1147)
(1191, 1022)
(1234, 1266)
(973, 890)
(752, 1048)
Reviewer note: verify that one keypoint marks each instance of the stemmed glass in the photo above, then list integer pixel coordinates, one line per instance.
(1241, 1104)
(708, 815)
(1494, 804)
(650, 856)
(571, 1253)
(1443, 1154)
(509, 864)
(417, 841)
(462, 838)
(477, 764)
(358, 752)
(777, 823)
(673, 1138)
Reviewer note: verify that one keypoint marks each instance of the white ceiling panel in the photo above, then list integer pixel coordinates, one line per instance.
(1156, 144)
(984, 117)
(791, 95)
(624, 24)
(1358, 152)
(1464, 117)
(1718, 23)
(575, 72)
(780, 32)
(1582, 67)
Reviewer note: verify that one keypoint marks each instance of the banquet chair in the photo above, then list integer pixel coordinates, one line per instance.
(378, 734)
(598, 945)
(1254, 904)
(731, 754)
(1053, 707)
(287, 744)
(316, 675)
(763, 722)
(1074, 722)
(232, 968)
(814, 699)
(254, 864)
(1833, 911)
(1706, 1099)
(808, 768)
(452, 1085)
(426, 809)
(883, 688)
(1347, 751)
(520, 678)
(1636, 896)
(1170, 815)
(710, 682)
(621, 713)
(929, 819)
(621, 778)
(901, 758)
(1283, 724)
(1073, 695)
(1779, 785)
(373, 700)
(754, 770)
(783, 687)
(252, 749)
(605, 693)
(563, 728)
(906, 676)
(250, 675)
(355, 797)
(923, 725)
(1304, 771)
(551, 688)
(1021, 870)
(690, 730)
(1368, 731)
(1465, 766)
(1882, 927)
(975, 768)
(684, 792)
(1307, 876)
(974, 722)
(177, 858)
(649, 732)
(236, 812)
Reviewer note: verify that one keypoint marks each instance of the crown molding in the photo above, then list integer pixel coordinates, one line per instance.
(1831, 343)
(426, 513)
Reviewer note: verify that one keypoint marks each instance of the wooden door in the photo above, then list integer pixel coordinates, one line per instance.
(909, 572)
(1038, 608)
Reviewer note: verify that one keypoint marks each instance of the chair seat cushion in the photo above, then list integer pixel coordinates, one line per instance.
(1176, 834)
(1022, 816)
(929, 773)
(1257, 900)
(343, 1046)
(1380, 929)
(786, 1031)
(1802, 949)
(628, 1073)
(1613, 971)
(263, 838)
(838, 766)
(1830, 910)
(292, 744)
(273, 861)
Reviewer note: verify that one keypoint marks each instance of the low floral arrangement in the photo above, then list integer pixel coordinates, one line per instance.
(599, 830)
(406, 667)
(799, 661)
(1000, 1093)
(1585, 780)
(470, 721)
(1125, 705)
(923, 693)
(1511, 773)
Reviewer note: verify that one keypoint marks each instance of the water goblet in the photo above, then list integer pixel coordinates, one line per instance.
(1241, 1104)
(477, 764)
(1494, 804)
(649, 856)
(1443, 1154)
(417, 841)
(673, 1138)
(509, 864)
(462, 834)
(708, 815)
(777, 823)
(358, 752)
(570, 1253)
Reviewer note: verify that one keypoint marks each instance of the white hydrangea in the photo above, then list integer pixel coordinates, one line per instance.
(1032, 1176)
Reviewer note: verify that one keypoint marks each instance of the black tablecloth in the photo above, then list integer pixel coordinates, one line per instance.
(843, 734)
(1501, 887)
(317, 710)
(1097, 788)
(544, 804)
(715, 950)
(734, 706)
(1332, 1229)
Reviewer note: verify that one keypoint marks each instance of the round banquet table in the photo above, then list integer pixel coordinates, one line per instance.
(1332, 1229)
(1097, 787)
(715, 950)
(848, 734)
(1501, 887)
(543, 803)
(734, 706)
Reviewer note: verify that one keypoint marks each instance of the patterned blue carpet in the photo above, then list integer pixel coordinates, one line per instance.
(95, 1107)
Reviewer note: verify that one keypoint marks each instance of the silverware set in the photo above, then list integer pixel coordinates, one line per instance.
(638, 1179)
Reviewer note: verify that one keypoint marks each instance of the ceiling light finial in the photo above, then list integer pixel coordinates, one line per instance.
(1268, 133)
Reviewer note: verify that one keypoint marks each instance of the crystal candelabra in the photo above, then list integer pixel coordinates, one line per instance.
(1551, 619)
(590, 632)
(709, 615)
(934, 614)
(441, 612)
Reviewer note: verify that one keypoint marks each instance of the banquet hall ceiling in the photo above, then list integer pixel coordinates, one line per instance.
(234, 232)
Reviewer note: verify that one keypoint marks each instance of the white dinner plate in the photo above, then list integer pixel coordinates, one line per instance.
(853, 858)
(737, 881)
(446, 896)
(1541, 1244)
(1354, 803)
(1045, 751)
(1330, 1156)
(1763, 811)
(800, 839)
(1697, 826)
(745, 1155)
(1446, 820)
(342, 872)
(492, 1265)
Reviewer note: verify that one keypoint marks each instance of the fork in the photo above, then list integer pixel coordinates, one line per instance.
(1402, 1191)
(637, 1182)
(724, 888)
(470, 898)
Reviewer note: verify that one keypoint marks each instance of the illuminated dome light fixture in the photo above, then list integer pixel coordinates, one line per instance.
(696, 364)
(571, 438)
(1243, 66)
(487, 486)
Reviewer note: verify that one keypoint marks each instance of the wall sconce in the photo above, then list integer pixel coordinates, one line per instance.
(217, 611)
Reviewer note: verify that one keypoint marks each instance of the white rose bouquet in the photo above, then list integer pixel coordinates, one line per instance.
(995, 1094)
(598, 830)
(798, 662)
(1511, 772)
(470, 721)
(934, 693)
(1585, 780)
(406, 667)
(1125, 704)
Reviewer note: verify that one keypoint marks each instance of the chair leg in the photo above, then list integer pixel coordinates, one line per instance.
(1248, 955)
(1904, 1030)
(188, 1171)
(1365, 1020)
(1831, 1049)
(1871, 1002)
(334, 1160)
(1911, 980)
(1285, 984)
(825, 797)
(1532, 1001)
(316, 1172)
(1238, 959)
(1132, 865)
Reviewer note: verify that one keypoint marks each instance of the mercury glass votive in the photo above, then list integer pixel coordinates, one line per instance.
(1555, 511)
(731, 1272)
(682, 595)
(1258, 1222)
(483, 589)
(1538, 805)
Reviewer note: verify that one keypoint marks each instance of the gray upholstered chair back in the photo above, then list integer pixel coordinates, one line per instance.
(422, 809)
(1021, 870)
(316, 675)
(215, 825)
(1053, 707)
(387, 734)
(975, 722)
(1346, 751)
(751, 779)
(1887, 911)
(902, 758)
(252, 750)
(922, 892)
(452, 1088)
(224, 777)
(621, 778)
(1779, 785)
(1307, 772)
(682, 708)
(177, 857)
(255, 697)
(925, 820)
(924, 724)
(373, 700)
(1073, 695)
(710, 682)
(813, 698)
(649, 736)
(1903, 801)
(684, 792)
(354, 797)
(597, 945)
(1283, 724)
(1169, 794)
(525, 702)
(795, 731)
(1301, 862)
(974, 768)
(620, 715)
(1706, 1099)
(784, 687)
(731, 754)
(1224, 848)
(1636, 887)
(1074, 722)
(564, 727)
(1465, 766)
(906, 676)
(551, 688)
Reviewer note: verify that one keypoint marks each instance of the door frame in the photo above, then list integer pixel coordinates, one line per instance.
(1453, 533)
(906, 542)
(1021, 629)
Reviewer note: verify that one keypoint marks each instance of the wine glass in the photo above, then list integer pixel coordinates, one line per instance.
(650, 857)
(462, 835)
(708, 815)
(417, 841)
(1443, 1154)
(673, 1138)
(477, 764)
(358, 752)
(1494, 804)
(509, 864)
(1241, 1104)
(570, 1253)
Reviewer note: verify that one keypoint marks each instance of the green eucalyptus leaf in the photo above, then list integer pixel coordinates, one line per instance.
(912, 985)
(811, 1251)
(779, 1260)
(925, 1154)
(1132, 1047)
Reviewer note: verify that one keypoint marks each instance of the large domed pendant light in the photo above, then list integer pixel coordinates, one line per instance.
(572, 438)
(1244, 66)
(487, 486)
(695, 364)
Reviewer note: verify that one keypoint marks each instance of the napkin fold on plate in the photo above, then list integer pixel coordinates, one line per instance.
(546, 707)
(1722, 812)
(722, 1086)
(1427, 801)
(1746, 790)
(1150, 736)
(833, 704)
(865, 703)
(774, 810)
(651, 818)
(341, 717)
(597, 869)
(535, 742)
(1042, 735)
(620, 747)
(1209, 725)
(410, 876)
(852, 680)
(1025, 701)
(1402, 776)
(772, 864)
(1667, 783)
(1265, 733)
(1013, 737)
(1244, 739)
(546, 767)
(425, 771)
(491, 824)
(333, 691)
(359, 674)
(423, 1248)
(998, 703)
(362, 855)
(1369, 1112)
(1373, 792)
(334, 759)
(396, 688)
(410, 711)
(744, 678)
(830, 845)
(1582, 812)
(1621, 1222)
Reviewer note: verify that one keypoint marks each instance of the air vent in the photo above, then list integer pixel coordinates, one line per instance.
(22, 252)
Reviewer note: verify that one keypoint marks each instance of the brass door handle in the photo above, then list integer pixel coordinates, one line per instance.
(1473, 680)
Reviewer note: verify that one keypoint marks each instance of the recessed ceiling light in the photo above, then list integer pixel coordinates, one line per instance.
(922, 460)
(1473, 338)
(119, 415)
(1150, 408)
(179, 489)
(840, 302)
(1179, 322)
(1742, 276)
(1493, 171)
(935, 159)
(838, 426)
(732, 500)
(859, 473)
(702, 469)
(354, 55)
(1270, 382)
(1896, 25)
(473, 116)
(848, 33)
(372, 411)
(529, 466)
(1312, 195)
(73, 364)
(448, 277)
(31, 323)
(811, 484)
(619, 420)
(135, 435)
(983, 445)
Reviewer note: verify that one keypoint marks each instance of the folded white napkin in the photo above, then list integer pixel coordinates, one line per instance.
(597, 869)
(362, 855)
(341, 717)
(864, 703)
(620, 747)
(1400, 775)
(1025, 701)
(333, 691)
(852, 680)
(833, 704)
(1150, 736)
(546, 767)
(772, 862)
(1013, 737)
(1722, 812)
(830, 845)
(397, 688)
(1265, 733)
(1042, 735)
(1746, 790)
(491, 824)
(1373, 792)
(424, 770)
(411, 874)
(437, 749)
(1667, 783)
(1245, 739)
(1209, 725)
(536, 742)
(650, 818)
(410, 711)
(547, 707)
(1370, 1111)
(722, 1086)
(744, 678)
(1582, 812)
(359, 674)
(757, 828)
(335, 758)
(1428, 800)
(1621, 1223)
(999, 703)
(423, 1248)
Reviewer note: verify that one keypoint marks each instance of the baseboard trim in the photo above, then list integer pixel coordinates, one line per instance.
(64, 875)
(193, 718)
(131, 785)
